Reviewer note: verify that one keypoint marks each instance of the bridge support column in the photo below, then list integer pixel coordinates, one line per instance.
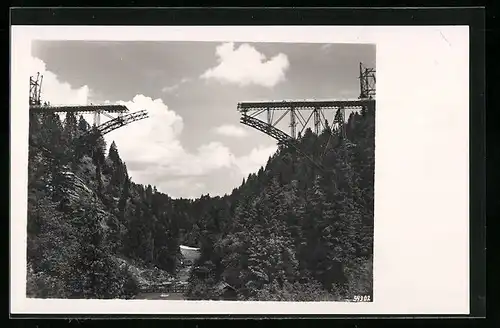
(317, 120)
(293, 124)
(97, 118)
(340, 120)
(269, 119)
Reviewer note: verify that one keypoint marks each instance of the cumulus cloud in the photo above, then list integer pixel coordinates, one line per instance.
(245, 66)
(231, 130)
(208, 157)
(253, 161)
(172, 88)
(187, 187)
(154, 154)
(55, 91)
(151, 147)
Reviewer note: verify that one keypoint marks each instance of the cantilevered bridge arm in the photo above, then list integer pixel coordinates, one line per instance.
(121, 121)
(277, 134)
(116, 123)
(266, 128)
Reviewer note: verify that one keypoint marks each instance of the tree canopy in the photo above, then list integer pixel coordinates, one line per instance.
(290, 231)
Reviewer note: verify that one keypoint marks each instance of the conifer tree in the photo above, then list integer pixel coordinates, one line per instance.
(70, 129)
(83, 126)
(113, 154)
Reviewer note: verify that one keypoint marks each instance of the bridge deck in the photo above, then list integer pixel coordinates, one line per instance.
(79, 109)
(303, 104)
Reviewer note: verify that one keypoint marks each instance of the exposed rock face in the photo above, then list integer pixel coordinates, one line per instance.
(74, 189)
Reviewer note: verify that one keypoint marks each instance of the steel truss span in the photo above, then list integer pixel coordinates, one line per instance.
(299, 117)
(36, 107)
(277, 134)
(303, 104)
(79, 109)
(300, 112)
(121, 121)
(266, 128)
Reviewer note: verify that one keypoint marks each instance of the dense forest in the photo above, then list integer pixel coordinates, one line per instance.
(291, 231)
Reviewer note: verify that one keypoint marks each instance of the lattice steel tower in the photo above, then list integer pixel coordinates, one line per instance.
(366, 82)
(35, 90)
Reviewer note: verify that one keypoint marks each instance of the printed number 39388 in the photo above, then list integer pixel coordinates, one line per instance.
(365, 298)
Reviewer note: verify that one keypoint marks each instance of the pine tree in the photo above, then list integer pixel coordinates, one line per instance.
(70, 129)
(82, 277)
(98, 172)
(99, 143)
(117, 170)
(172, 246)
(133, 234)
(34, 132)
(113, 154)
(83, 126)
(122, 203)
(51, 133)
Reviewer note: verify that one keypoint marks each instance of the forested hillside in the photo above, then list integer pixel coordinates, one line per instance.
(85, 216)
(291, 231)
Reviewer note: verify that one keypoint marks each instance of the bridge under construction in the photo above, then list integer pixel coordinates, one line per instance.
(123, 117)
(300, 112)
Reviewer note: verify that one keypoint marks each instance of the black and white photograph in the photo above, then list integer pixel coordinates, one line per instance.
(201, 171)
(243, 170)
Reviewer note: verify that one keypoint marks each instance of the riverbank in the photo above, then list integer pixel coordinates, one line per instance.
(190, 255)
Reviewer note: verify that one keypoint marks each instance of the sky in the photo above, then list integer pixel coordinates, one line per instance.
(192, 144)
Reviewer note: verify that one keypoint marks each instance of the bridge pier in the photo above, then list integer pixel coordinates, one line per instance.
(269, 118)
(293, 123)
(339, 121)
(97, 118)
(317, 120)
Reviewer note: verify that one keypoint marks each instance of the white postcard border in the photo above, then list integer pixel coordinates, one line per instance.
(421, 240)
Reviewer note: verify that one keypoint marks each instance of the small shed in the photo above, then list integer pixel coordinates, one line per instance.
(226, 292)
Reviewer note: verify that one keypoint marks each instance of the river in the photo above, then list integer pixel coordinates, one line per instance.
(189, 254)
